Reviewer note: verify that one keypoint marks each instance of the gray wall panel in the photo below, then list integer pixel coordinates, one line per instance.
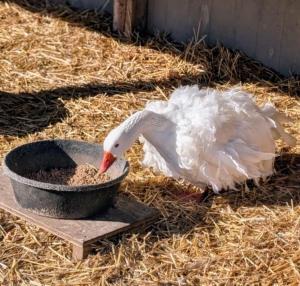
(267, 30)
(177, 15)
(289, 58)
(221, 22)
(198, 19)
(157, 14)
(245, 26)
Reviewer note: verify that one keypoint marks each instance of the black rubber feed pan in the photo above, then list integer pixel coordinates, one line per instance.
(61, 201)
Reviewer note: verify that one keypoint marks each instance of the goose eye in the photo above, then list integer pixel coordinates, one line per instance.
(117, 145)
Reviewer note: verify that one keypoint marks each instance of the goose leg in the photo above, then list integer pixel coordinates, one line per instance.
(188, 196)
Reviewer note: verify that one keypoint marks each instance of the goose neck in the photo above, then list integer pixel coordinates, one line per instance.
(141, 121)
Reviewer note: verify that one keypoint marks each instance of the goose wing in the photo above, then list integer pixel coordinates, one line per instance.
(214, 138)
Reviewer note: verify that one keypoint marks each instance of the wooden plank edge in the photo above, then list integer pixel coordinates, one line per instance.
(146, 222)
(81, 252)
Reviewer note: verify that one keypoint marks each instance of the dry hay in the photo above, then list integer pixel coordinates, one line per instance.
(57, 69)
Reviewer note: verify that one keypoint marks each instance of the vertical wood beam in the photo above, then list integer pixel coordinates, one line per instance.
(120, 7)
(130, 16)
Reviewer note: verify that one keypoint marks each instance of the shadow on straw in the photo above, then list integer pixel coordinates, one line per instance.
(220, 64)
(25, 113)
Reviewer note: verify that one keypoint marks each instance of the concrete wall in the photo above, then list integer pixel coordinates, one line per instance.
(266, 30)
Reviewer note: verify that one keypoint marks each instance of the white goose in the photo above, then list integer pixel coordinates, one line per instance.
(205, 137)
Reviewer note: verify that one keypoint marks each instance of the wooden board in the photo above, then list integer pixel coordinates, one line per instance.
(120, 7)
(136, 16)
(130, 16)
(127, 215)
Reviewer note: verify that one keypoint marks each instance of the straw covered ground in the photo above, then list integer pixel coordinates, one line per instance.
(65, 74)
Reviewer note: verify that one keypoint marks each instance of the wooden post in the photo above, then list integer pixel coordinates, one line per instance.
(130, 16)
(120, 7)
(80, 252)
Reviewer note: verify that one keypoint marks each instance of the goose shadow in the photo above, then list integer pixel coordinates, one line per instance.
(183, 218)
(280, 189)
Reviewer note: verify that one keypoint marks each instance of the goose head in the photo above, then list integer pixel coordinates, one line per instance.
(120, 139)
(115, 145)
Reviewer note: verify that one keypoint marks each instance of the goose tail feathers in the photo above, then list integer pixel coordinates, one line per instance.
(276, 118)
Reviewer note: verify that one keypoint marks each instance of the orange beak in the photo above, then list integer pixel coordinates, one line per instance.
(107, 161)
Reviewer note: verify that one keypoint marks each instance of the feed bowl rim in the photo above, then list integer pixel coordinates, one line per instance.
(59, 187)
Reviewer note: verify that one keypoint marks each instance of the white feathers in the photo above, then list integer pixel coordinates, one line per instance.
(221, 138)
(206, 137)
